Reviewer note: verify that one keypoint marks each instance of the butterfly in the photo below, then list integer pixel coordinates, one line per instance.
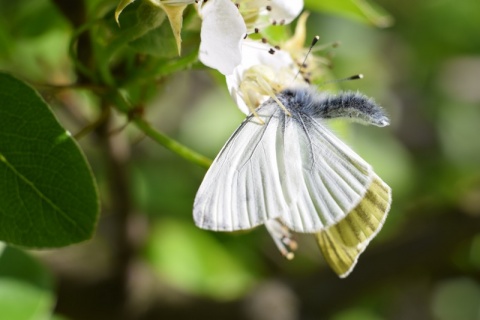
(284, 168)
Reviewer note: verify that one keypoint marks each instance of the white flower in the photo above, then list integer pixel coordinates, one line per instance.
(265, 71)
(261, 13)
(225, 26)
(261, 75)
(285, 10)
(223, 30)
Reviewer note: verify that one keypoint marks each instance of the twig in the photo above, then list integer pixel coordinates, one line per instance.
(171, 144)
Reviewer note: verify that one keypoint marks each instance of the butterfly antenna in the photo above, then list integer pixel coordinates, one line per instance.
(354, 77)
(303, 65)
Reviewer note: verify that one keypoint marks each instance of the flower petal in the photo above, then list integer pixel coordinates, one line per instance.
(285, 10)
(296, 43)
(256, 54)
(223, 30)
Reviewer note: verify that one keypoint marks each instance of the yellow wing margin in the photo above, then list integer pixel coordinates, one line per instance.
(342, 243)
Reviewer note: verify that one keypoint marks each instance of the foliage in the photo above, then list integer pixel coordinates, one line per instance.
(47, 192)
(145, 123)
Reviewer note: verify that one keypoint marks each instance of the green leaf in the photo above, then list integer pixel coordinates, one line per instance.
(30, 19)
(25, 287)
(153, 37)
(360, 10)
(159, 42)
(122, 5)
(48, 197)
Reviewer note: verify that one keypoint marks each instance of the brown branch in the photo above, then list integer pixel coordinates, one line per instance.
(110, 296)
(75, 12)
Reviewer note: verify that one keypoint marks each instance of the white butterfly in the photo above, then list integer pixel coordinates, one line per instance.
(289, 172)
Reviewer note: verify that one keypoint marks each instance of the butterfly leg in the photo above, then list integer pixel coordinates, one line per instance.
(282, 237)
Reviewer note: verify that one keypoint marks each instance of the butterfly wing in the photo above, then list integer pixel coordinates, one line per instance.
(291, 167)
(242, 188)
(342, 243)
(324, 179)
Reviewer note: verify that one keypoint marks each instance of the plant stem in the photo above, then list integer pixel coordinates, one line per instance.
(171, 144)
(121, 208)
(123, 106)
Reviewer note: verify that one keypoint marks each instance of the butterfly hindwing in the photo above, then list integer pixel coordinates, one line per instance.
(342, 243)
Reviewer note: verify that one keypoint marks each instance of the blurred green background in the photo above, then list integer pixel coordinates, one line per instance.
(425, 264)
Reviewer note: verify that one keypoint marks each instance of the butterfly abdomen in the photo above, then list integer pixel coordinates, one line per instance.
(351, 105)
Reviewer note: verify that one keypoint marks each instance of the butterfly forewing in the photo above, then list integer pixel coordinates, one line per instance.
(242, 188)
(328, 178)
